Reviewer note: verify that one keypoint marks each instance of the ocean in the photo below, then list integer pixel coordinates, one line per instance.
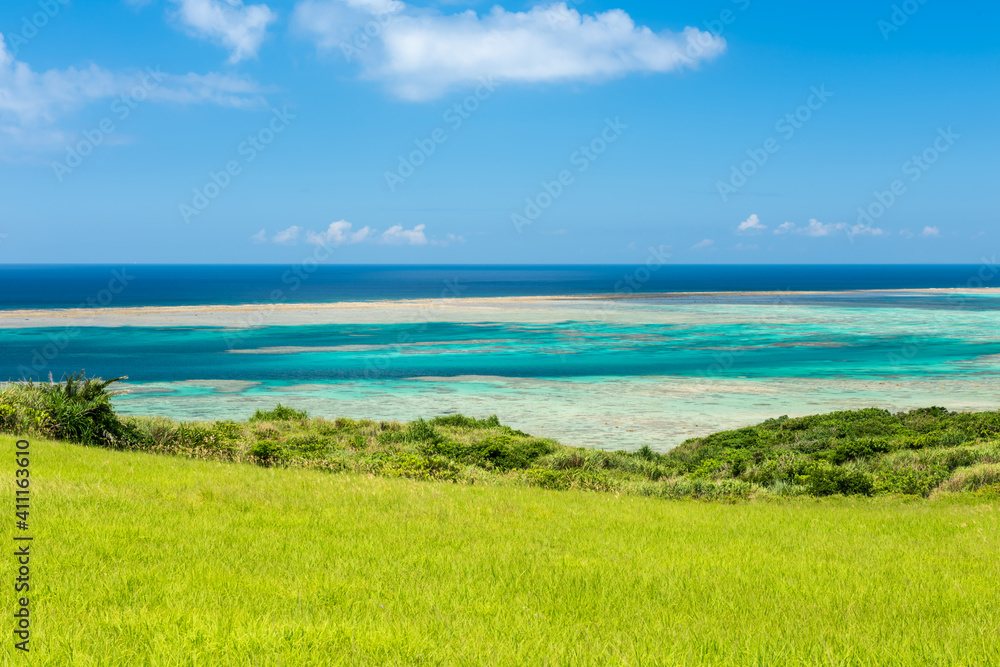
(614, 373)
(70, 286)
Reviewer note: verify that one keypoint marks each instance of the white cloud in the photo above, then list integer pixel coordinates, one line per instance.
(422, 54)
(751, 225)
(906, 233)
(288, 236)
(238, 27)
(396, 235)
(339, 233)
(930, 232)
(343, 233)
(225, 90)
(865, 230)
(817, 229)
(26, 95)
(32, 102)
(334, 24)
(702, 245)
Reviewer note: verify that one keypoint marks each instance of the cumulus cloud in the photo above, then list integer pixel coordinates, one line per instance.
(930, 232)
(239, 28)
(865, 230)
(396, 235)
(340, 24)
(288, 236)
(342, 232)
(703, 245)
(339, 233)
(32, 102)
(751, 225)
(817, 229)
(422, 54)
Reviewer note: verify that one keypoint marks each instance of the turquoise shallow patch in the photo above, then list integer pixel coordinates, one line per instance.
(648, 373)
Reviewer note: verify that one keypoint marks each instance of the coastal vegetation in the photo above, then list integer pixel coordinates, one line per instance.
(290, 540)
(862, 452)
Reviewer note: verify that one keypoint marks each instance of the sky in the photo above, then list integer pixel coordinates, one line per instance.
(589, 131)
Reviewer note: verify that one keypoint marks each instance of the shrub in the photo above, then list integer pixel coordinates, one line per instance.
(77, 409)
(501, 452)
(972, 479)
(422, 432)
(278, 414)
(415, 466)
(831, 481)
(308, 444)
(461, 421)
(267, 452)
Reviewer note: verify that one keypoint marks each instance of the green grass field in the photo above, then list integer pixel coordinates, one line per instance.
(142, 559)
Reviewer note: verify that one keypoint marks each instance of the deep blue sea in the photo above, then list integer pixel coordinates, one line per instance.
(62, 286)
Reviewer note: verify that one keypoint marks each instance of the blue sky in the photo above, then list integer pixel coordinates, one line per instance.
(733, 131)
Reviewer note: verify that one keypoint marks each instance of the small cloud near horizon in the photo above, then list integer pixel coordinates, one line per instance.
(342, 232)
(751, 225)
(817, 229)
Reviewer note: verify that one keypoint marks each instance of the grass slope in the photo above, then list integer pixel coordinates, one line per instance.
(859, 452)
(156, 560)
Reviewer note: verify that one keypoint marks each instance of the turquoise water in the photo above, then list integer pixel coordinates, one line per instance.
(612, 374)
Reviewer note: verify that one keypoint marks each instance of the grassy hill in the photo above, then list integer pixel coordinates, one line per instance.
(863, 452)
(144, 559)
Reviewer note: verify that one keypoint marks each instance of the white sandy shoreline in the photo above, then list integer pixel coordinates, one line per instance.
(529, 309)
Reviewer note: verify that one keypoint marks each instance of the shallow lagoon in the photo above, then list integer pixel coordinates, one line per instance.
(610, 373)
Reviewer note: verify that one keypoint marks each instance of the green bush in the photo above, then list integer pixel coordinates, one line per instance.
(267, 452)
(972, 479)
(422, 432)
(415, 466)
(500, 452)
(831, 481)
(77, 409)
(278, 414)
(461, 421)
